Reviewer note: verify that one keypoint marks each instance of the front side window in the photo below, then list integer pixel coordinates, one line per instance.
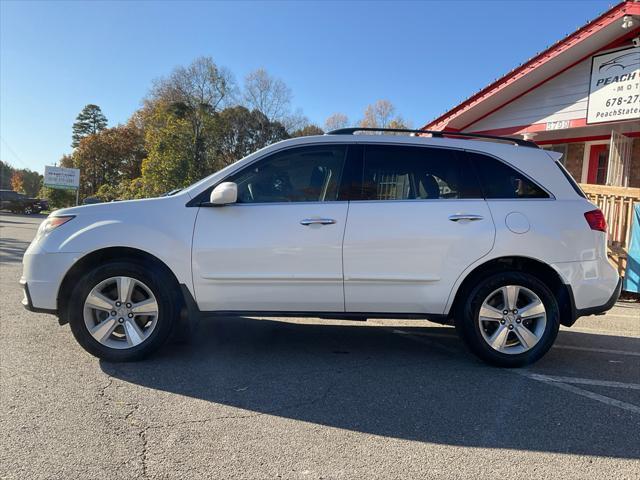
(303, 174)
(501, 181)
(393, 172)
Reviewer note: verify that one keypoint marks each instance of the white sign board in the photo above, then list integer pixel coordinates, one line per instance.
(614, 90)
(60, 177)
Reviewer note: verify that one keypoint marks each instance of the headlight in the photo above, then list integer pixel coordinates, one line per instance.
(51, 223)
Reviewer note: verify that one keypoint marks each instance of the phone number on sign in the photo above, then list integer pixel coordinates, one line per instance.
(612, 102)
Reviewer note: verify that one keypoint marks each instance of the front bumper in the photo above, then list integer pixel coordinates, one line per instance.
(42, 275)
(28, 304)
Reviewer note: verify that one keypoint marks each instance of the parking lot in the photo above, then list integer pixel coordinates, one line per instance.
(306, 398)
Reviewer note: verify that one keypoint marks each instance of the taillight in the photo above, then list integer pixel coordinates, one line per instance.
(596, 220)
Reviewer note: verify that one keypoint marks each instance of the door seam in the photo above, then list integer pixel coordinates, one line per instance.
(344, 234)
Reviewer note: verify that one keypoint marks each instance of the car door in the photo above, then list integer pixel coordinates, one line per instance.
(279, 247)
(420, 220)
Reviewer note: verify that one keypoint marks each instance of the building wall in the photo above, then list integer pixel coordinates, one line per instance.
(575, 156)
(561, 98)
(573, 160)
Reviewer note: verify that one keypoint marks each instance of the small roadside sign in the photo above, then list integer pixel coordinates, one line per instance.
(60, 177)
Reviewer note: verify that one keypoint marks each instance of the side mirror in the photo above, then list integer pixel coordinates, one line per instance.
(224, 194)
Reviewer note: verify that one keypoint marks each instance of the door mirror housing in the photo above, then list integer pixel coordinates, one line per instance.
(224, 194)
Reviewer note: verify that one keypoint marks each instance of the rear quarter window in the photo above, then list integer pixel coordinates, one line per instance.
(570, 179)
(499, 180)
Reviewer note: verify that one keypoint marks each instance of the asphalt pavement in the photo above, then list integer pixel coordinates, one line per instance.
(263, 398)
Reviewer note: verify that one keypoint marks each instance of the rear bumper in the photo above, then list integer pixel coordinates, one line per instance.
(592, 287)
(599, 309)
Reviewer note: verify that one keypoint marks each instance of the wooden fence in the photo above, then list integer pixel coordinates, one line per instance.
(617, 205)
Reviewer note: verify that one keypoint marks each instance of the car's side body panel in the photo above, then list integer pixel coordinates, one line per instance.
(260, 257)
(162, 227)
(404, 256)
(397, 257)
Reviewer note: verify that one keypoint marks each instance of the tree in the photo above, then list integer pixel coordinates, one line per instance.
(240, 132)
(335, 121)
(268, 94)
(58, 198)
(381, 115)
(17, 183)
(169, 143)
(89, 121)
(378, 115)
(6, 171)
(194, 94)
(32, 182)
(308, 130)
(10, 178)
(108, 157)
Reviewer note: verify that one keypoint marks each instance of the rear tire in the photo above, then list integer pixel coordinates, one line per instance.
(509, 319)
(125, 341)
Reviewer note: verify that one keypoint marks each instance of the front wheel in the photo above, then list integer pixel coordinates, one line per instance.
(509, 319)
(28, 210)
(121, 311)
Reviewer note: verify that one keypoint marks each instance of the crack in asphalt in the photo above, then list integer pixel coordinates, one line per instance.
(102, 390)
(143, 430)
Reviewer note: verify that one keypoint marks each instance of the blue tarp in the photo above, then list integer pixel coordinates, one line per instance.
(632, 273)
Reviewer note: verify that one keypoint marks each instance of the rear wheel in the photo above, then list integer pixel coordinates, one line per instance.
(121, 311)
(28, 210)
(510, 319)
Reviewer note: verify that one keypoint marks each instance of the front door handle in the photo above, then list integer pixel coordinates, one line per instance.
(465, 216)
(317, 221)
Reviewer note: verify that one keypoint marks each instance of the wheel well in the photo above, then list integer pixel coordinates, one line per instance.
(99, 257)
(540, 270)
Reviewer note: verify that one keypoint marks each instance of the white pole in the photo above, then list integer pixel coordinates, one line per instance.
(77, 195)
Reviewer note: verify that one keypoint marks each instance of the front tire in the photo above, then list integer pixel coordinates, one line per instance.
(509, 319)
(122, 310)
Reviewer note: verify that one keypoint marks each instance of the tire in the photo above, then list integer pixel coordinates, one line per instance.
(28, 210)
(153, 330)
(512, 332)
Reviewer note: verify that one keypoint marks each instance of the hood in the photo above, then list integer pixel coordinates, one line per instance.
(114, 208)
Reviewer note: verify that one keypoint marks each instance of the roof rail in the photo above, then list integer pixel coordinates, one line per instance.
(435, 133)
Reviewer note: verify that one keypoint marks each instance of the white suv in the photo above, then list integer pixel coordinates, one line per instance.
(495, 238)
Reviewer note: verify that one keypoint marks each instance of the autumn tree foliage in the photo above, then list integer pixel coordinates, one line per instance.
(335, 121)
(21, 180)
(194, 121)
(382, 114)
(17, 181)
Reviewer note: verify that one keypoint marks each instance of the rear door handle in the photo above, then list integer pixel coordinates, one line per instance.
(317, 221)
(465, 216)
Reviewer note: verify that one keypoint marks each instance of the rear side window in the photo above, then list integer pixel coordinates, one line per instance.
(393, 172)
(501, 181)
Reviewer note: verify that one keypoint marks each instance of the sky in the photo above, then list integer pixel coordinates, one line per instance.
(425, 57)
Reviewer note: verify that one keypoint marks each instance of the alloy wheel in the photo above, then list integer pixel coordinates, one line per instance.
(512, 319)
(121, 312)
